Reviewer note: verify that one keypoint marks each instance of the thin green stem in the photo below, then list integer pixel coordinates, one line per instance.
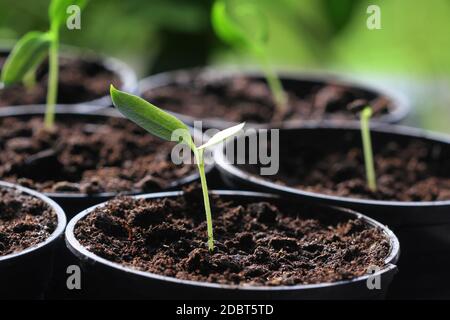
(201, 170)
(274, 83)
(367, 147)
(52, 90)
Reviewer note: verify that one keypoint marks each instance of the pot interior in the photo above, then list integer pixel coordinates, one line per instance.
(31, 242)
(326, 215)
(238, 97)
(82, 78)
(329, 160)
(102, 144)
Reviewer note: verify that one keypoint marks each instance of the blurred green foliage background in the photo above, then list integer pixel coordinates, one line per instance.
(411, 53)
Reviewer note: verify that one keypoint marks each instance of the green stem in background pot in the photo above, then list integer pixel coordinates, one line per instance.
(366, 114)
(242, 25)
(52, 90)
(168, 127)
(32, 49)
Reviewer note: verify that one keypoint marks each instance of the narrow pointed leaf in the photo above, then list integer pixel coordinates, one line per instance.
(26, 56)
(222, 135)
(150, 117)
(57, 10)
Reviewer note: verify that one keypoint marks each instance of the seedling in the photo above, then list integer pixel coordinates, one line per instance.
(230, 21)
(31, 50)
(168, 127)
(366, 114)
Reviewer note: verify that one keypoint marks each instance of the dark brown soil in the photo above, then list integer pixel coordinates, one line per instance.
(257, 243)
(99, 155)
(79, 81)
(244, 99)
(25, 221)
(406, 171)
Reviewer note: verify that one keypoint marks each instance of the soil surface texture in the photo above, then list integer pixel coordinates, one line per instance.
(406, 171)
(79, 81)
(241, 99)
(90, 155)
(25, 221)
(256, 243)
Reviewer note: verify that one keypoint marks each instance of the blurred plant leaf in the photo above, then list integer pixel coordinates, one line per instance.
(26, 56)
(240, 24)
(339, 13)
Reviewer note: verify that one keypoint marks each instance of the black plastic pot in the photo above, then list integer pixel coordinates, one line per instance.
(26, 274)
(422, 227)
(73, 203)
(106, 279)
(125, 73)
(295, 82)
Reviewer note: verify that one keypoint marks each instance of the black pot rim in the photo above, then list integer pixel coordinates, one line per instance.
(224, 166)
(80, 251)
(61, 218)
(118, 67)
(81, 110)
(401, 110)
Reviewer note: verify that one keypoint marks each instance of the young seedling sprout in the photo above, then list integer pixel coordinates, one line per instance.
(232, 22)
(31, 50)
(167, 127)
(366, 114)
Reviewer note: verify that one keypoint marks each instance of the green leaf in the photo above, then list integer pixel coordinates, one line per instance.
(57, 11)
(26, 56)
(222, 135)
(241, 24)
(151, 118)
(226, 29)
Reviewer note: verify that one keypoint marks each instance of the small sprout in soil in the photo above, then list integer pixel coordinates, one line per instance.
(31, 50)
(164, 125)
(366, 113)
(242, 25)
